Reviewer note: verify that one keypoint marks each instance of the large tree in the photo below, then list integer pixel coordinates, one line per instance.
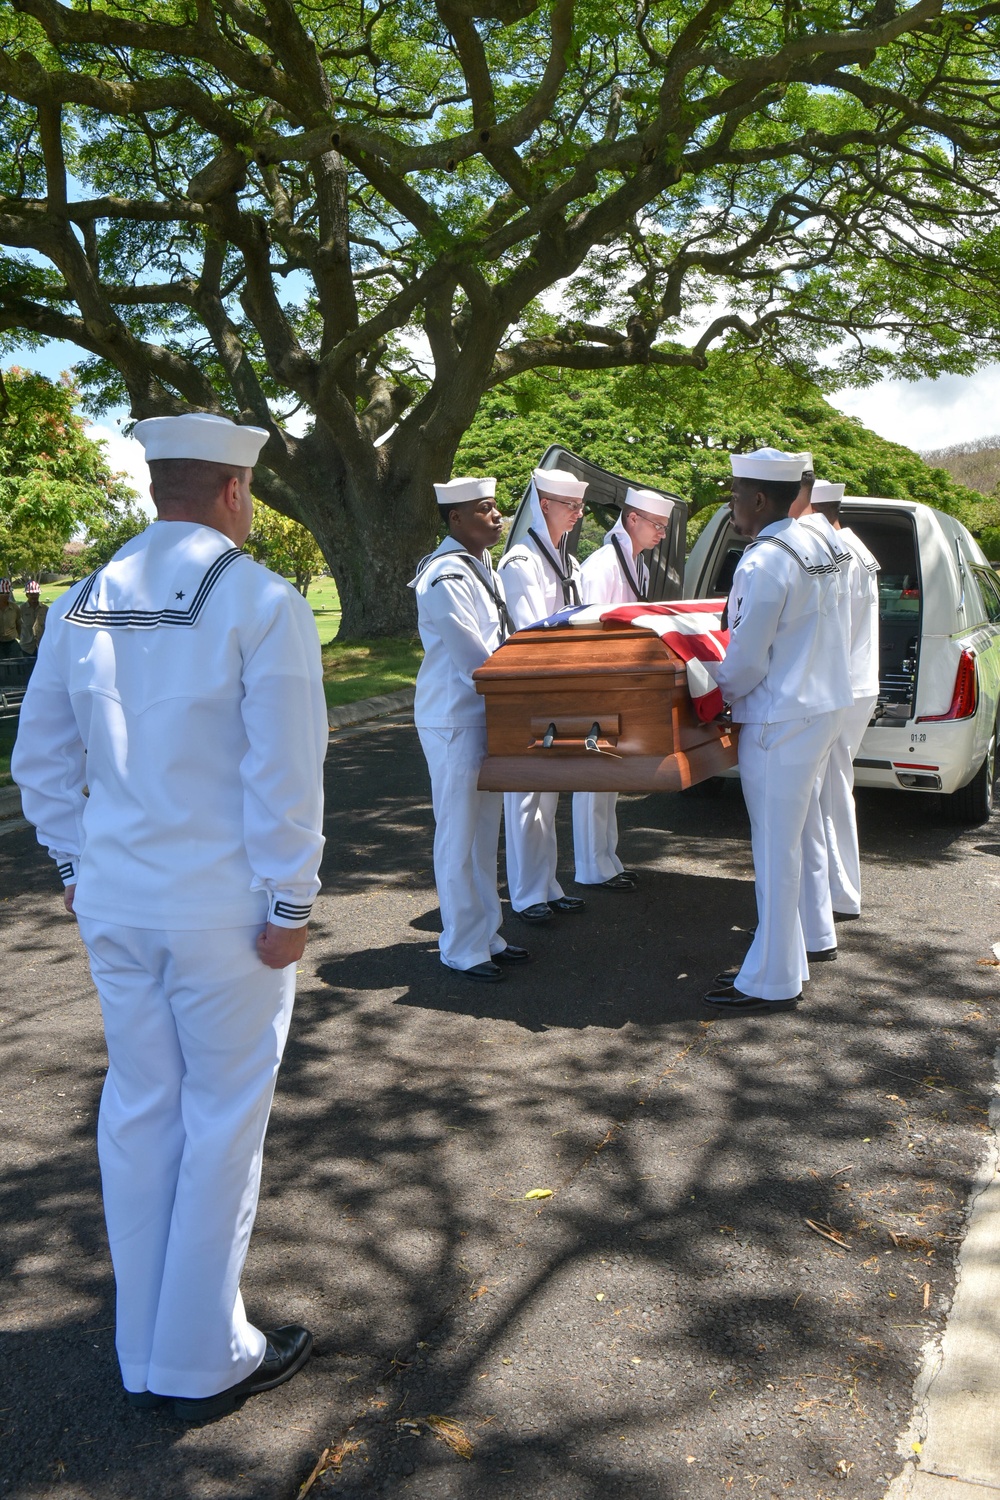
(330, 219)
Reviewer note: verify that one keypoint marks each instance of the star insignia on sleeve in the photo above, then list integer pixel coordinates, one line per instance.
(179, 594)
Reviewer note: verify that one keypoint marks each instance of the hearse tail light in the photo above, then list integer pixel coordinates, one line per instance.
(965, 697)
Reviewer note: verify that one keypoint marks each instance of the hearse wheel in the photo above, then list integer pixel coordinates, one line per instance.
(973, 804)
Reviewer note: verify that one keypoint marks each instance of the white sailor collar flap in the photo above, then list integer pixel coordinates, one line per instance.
(150, 587)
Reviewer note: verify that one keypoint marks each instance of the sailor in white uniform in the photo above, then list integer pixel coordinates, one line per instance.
(839, 818)
(170, 755)
(815, 895)
(787, 676)
(540, 576)
(462, 618)
(615, 573)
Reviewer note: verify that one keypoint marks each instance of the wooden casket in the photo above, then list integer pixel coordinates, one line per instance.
(594, 709)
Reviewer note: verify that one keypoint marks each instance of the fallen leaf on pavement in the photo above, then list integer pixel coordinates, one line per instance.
(599, 1297)
(450, 1432)
(539, 1193)
(479, 1292)
(829, 1232)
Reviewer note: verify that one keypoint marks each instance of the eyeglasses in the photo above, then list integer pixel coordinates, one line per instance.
(574, 505)
(658, 526)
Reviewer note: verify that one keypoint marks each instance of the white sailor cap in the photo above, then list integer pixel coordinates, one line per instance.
(459, 491)
(201, 434)
(825, 493)
(559, 483)
(807, 461)
(768, 463)
(650, 502)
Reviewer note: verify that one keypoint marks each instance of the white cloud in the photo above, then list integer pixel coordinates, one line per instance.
(125, 456)
(929, 414)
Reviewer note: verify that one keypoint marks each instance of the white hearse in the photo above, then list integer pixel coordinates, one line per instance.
(935, 724)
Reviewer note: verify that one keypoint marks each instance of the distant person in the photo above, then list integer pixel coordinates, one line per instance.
(462, 618)
(540, 576)
(32, 618)
(10, 621)
(615, 574)
(170, 755)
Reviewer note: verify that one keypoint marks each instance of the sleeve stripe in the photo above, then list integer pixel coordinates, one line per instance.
(290, 911)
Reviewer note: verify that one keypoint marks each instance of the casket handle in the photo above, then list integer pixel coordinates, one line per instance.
(576, 734)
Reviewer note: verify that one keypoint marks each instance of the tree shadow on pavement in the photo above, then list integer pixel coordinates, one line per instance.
(665, 1322)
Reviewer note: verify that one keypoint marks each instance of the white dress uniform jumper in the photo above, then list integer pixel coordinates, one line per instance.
(462, 619)
(181, 685)
(786, 675)
(538, 579)
(840, 824)
(815, 893)
(611, 575)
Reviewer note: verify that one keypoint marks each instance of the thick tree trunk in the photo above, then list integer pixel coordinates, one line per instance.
(372, 529)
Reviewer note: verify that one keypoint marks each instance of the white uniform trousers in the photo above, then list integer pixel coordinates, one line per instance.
(466, 835)
(530, 833)
(195, 1028)
(840, 822)
(595, 837)
(780, 768)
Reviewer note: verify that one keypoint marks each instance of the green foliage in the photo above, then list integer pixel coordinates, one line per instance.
(106, 535)
(285, 547)
(675, 429)
(54, 480)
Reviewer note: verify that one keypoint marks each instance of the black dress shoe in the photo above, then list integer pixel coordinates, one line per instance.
(619, 883)
(487, 973)
(286, 1352)
(567, 903)
(822, 956)
(145, 1400)
(847, 916)
(728, 976)
(511, 955)
(540, 912)
(728, 1000)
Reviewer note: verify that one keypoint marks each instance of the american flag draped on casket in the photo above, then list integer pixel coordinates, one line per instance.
(617, 699)
(690, 627)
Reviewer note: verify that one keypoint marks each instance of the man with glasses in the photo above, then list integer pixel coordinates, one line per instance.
(615, 574)
(540, 576)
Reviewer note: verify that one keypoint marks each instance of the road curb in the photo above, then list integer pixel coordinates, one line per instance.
(370, 708)
(953, 1446)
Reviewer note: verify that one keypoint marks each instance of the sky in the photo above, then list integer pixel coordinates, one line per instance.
(922, 414)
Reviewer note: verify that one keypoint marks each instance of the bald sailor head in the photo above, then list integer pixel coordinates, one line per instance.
(766, 484)
(200, 466)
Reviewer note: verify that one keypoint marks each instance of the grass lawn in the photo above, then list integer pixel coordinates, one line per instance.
(364, 669)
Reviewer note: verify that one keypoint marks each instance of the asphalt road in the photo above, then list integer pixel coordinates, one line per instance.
(667, 1324)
